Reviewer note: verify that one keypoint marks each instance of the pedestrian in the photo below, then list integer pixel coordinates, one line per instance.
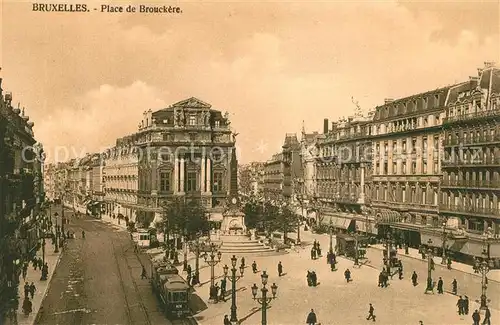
(143, 273)
(223, 283)
(371, 314)
(314, 279)
(414, 278)
(27, 306)
(454, 286)
(26, 289)
(254, 267)
(313, 254)
(432, 264)
(311, 318)
(280, 269)
(243, 262)
(35, 263)
(381, 280)
(466, 305)
(448, 263)
(460, 305)
(318, 250)
(189, 270)
(487, 317)
(476, 318)
(32, 290)
(309, 279)
(440, 286)
(25, 271)
(347, 275)
(226, 320)
(83, 234)
(420, 322)
(400, 273)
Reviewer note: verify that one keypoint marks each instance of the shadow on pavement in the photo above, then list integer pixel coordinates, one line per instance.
(254, 310)
(196, 304)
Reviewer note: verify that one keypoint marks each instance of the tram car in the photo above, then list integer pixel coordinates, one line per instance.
(172, 290)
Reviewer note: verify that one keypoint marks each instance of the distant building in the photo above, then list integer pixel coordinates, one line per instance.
(283, 170)
(251, 178)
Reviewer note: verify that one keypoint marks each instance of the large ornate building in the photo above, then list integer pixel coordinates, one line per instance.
(185, 150)
(344, 174)
(21, 197)
(470, 190)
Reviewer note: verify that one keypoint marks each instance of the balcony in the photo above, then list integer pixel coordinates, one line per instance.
(475, 140)
(474, 162)
(471, 183)
(472, 116)
(470, 210)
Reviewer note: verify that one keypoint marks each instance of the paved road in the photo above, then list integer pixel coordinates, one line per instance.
(468, 284)
(98, 281)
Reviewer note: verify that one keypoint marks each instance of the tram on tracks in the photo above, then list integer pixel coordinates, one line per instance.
(172, 290)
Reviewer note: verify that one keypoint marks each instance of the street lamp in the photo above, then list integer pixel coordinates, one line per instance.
(234, 278)
(56, 249)
(388, 246)
(264, 300)
(356, 247)
(429, 267)
(443, 256)
(484, 268)
(330, 226)
(212, 262)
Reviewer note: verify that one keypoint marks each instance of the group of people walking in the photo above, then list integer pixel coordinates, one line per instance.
(30, 289)
(315, 250)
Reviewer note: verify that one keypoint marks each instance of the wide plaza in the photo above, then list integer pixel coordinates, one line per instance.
(333, 300)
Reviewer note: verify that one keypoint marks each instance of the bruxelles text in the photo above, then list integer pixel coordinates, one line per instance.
(194, 152)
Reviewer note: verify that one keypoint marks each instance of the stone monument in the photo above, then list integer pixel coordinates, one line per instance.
(233, 220)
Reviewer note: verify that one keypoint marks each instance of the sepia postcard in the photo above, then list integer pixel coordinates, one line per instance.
(249, 162)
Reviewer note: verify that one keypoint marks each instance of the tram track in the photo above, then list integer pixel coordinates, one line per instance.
(128, 309)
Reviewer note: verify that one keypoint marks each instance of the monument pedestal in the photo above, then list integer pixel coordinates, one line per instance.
(233, 223)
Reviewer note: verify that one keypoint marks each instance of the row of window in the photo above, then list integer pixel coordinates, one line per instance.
(192, 183)
(430, 169)
(414, 194)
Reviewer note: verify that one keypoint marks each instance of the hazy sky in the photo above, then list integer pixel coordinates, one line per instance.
(86, 78)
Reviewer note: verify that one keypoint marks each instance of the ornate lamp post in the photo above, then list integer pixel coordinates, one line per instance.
(429, 267)
(388, 247)
(484, 268)
(264, 300)
(330, 228)
(443, 256)
(212, 262)
(234, 278)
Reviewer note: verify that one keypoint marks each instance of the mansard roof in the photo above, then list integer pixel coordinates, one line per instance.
(399, 107)
(488, 80)
(191, 102)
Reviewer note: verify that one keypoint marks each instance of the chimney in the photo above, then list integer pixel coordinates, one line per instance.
(489, 64)
(388, 100)
(325, 126)
(473, 82)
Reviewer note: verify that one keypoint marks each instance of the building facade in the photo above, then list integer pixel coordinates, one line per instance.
(470, 189)
(283, 171)
(344, 173)
(121, 178)
(251, 178)
(21, 198)
(406, 136)
(185, 151)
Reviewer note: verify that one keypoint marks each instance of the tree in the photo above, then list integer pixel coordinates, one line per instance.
(253, 213)
(185, 218)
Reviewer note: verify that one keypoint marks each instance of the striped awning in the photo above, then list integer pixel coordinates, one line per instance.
(337, 221)
(389, 216)
(365, 227)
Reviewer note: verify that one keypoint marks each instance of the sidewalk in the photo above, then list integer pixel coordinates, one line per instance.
(493, 275)
(52, 259)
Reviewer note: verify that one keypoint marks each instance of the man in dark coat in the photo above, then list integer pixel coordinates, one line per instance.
(311, 318)
(347, 275)
(440, 286)
(254, 267)
(309, 279)
(400, 273)
(26, 289)
(223, 283)
(414, 278)
(371, 314)
(466, 305)
(280, 269)
(487, 317)
(460, 305)
(454, 286)
(226, 320)
(476, 318)
(314, 278)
